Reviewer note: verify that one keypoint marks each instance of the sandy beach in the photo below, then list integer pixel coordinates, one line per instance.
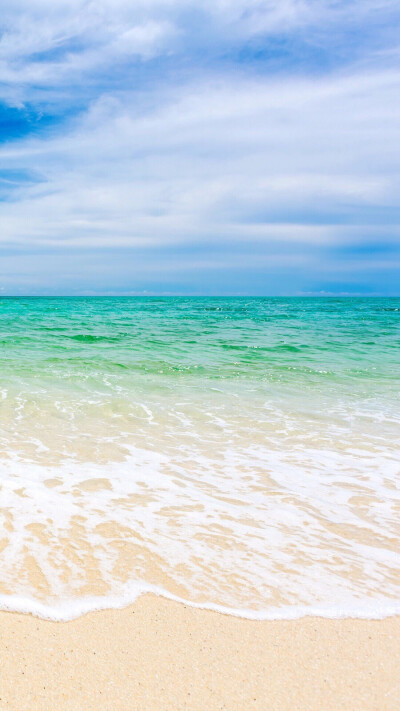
(199, 355)
(165, 656)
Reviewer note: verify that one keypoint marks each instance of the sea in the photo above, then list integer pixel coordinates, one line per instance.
(238, 454)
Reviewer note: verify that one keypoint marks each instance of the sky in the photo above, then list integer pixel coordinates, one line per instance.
(209, 147)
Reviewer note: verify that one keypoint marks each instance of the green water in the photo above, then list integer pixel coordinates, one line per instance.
(307, 357)
(283, 413)
(221, 337)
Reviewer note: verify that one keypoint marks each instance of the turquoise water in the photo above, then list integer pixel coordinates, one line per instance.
(233, 452)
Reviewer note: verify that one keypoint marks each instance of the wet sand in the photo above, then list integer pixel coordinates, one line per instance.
(164, 656)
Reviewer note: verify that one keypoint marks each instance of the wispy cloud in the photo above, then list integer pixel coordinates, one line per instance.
(190, 134)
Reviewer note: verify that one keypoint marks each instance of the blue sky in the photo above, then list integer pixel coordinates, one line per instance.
(224, 147)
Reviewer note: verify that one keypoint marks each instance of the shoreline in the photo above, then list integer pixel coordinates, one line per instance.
(80, 607)
(162, 655)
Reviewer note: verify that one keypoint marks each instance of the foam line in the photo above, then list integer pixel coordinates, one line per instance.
(73, 609)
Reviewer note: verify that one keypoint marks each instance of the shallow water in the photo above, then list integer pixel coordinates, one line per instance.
(233, 452)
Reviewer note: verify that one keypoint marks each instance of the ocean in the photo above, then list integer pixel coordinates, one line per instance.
(241, 454)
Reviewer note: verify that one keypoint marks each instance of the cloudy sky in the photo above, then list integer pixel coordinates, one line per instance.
(208, 147)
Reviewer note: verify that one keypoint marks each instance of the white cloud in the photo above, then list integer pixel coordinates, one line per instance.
(207, 149)
(53, 42)
(261, 160)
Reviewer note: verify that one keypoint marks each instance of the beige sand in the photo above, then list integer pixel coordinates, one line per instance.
(160, 655)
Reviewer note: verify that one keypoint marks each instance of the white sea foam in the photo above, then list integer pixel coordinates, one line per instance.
(72, 609)
(258, 533)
